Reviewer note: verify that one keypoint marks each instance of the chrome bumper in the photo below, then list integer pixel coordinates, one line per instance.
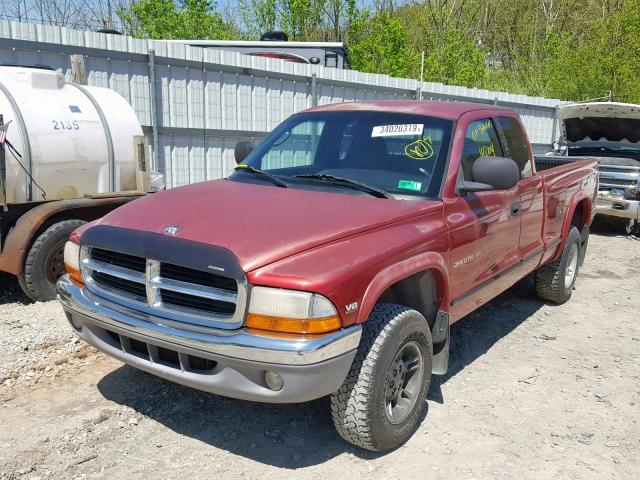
(310, 368)
(615, 206)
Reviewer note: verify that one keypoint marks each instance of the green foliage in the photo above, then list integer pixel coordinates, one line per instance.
(378, 44)
(302, 20)
(607, 60)
(183, 19)
(455, 58)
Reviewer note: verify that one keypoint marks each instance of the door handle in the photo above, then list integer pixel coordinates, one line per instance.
(515, 209)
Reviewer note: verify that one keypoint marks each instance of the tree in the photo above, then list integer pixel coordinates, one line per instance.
(378, 43)
(301, 19)
(182, 19)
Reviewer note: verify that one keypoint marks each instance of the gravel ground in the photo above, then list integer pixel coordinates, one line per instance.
(534, 391)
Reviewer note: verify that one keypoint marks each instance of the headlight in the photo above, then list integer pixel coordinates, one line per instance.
(291, 311)
(72, 261)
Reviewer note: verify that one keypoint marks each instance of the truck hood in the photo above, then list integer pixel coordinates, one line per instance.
(601, 121)
(261, 224)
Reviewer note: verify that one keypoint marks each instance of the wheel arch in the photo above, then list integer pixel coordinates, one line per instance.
(578, 214)
(406, 282)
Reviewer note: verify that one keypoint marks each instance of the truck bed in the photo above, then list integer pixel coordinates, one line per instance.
(545, 162)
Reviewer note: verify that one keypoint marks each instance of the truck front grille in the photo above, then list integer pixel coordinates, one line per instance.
(197, 303)
(164, 289)
(618, 182)
(126, 287)
(184, 274)
(119, 259)
(612, 176)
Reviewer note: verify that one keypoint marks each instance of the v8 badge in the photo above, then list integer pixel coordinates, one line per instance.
(352, 307)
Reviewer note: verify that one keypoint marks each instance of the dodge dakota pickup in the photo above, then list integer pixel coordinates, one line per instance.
(333, 260)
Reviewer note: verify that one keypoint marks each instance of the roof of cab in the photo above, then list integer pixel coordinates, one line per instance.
(451, 110)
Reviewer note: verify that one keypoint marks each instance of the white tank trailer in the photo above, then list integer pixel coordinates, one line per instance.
(72, 154)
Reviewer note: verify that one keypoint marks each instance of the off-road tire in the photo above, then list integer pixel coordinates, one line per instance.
(43, 265)
(550, 279)
(358, 407)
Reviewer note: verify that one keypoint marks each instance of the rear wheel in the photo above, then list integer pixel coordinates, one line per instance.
(383, 398)
(44, 264)
(555, 282)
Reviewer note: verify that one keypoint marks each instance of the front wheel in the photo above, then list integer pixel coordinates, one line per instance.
(383, 398)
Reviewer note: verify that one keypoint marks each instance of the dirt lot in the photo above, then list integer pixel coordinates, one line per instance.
(534, 391)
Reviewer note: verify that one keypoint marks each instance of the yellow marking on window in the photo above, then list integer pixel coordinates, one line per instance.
(480, 129)
(420, 149)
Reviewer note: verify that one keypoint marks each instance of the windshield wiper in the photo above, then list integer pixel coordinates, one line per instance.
(346, 182)
(243, 167)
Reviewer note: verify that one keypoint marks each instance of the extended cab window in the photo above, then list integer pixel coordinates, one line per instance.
(402, 154)
(480, 140)
(515, 144)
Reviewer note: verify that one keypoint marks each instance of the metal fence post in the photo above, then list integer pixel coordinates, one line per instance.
(314, 90)
(154, 108)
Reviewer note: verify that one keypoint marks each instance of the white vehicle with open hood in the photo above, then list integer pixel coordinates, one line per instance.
(610, 132)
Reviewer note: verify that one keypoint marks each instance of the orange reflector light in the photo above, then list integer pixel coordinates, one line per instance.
(74, 274)
(72, 261)
(293, 325)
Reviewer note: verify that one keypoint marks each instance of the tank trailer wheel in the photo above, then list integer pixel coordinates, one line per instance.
(44, 264)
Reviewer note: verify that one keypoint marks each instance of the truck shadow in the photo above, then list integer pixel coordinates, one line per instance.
(475, 334)
(611, 227)
(10, 291)
(295, 436)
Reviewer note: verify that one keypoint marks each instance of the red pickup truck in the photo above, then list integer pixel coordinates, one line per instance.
(333, 260)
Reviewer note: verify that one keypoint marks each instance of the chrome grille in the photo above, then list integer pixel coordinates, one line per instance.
(619, 182)
(618, 176)
(119, 259)
(164, 289)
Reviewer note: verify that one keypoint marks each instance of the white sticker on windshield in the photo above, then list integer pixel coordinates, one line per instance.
(397, 130)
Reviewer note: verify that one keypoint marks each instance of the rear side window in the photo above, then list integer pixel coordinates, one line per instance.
(515, 144)
(480, 140)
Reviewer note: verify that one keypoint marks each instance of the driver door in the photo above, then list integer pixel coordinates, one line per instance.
(484, 229)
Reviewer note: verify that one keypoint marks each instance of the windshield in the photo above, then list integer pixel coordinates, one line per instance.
(401, 154)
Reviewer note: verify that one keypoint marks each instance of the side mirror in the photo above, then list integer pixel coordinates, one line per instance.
(242, 150)
(492, 173)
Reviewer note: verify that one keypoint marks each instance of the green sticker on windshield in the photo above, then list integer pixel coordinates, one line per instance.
(410, 185)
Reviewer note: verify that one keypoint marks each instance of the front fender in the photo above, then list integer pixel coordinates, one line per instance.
(404, 269)
(354, 271)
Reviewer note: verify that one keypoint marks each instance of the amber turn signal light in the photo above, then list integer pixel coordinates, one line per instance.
(293, 325)
(72, 261)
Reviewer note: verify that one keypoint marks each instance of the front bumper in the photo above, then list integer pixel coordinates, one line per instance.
(230, 363)
(615, 206)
